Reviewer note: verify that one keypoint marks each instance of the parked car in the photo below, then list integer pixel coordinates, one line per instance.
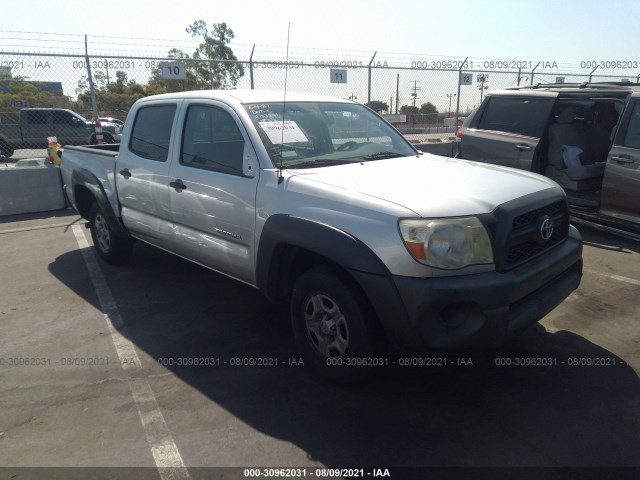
(111, 131)
(322, 203)
(115, 121)
(37, 124)
(586, 137)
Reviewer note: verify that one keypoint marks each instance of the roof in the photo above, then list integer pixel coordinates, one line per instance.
(579, 87)
(248, 96)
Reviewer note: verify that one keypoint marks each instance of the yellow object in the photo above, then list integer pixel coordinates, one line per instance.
(53, 151)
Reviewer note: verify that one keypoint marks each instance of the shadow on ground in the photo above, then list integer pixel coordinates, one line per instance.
(483, 414)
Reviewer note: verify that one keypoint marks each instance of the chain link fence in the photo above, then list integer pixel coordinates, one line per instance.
(424, 99)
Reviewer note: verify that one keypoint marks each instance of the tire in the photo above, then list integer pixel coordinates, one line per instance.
(111, 248)
(334, 326)
(6, 149)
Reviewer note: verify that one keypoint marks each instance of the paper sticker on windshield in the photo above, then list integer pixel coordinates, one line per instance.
(283, 132)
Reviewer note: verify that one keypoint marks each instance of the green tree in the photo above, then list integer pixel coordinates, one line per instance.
(409, 109)
(428, 108)
(378, 106)
(219, 67)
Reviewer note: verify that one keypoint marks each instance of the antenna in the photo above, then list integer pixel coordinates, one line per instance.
(284, 104)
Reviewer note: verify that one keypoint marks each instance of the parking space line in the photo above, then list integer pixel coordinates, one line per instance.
(37, 227)
(163, 448)
(619, 278)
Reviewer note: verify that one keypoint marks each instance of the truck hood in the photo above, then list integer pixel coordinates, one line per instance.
(430, 185)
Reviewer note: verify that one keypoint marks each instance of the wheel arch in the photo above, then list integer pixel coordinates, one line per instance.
(87, 189)
(290, 245)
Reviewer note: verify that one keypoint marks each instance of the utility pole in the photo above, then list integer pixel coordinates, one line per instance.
(414, 92)
(397, 92)
(482, 79)
(451, 95)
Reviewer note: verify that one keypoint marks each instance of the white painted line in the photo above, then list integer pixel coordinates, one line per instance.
(619, 278)
(164, 450)
(125, 349)
(36, 227)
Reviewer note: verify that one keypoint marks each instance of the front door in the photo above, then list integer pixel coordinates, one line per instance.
(213, 191)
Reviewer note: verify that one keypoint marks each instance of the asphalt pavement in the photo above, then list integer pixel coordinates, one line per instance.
(160, 362)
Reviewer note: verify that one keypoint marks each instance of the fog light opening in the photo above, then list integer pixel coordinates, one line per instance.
(462, 318)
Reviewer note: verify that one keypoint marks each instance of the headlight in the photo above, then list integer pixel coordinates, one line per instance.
(448, 243)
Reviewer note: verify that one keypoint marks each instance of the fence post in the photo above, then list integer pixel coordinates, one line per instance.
(462, 65)
(369, 87)
(251, 65)
(94, 103)
(532, 72)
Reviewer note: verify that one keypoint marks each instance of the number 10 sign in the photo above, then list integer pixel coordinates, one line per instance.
(173, 70)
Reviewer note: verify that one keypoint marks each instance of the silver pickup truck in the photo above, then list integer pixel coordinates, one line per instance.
(319, 201)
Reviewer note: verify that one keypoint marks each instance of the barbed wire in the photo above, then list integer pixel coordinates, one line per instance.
(31, 41)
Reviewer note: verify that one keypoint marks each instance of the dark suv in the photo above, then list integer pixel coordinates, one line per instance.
(586, 137)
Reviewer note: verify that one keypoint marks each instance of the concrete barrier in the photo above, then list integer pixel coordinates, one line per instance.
(30, 186)
(445, 149)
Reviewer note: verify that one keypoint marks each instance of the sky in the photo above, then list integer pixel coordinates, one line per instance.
(562, 36)
(564, 31)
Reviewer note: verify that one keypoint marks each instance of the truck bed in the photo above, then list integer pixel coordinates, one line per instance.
(96, 161)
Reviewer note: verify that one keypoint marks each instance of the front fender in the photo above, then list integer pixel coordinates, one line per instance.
(337, 246)
(321, 239)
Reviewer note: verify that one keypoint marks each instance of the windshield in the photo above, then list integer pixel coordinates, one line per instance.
(321, 133)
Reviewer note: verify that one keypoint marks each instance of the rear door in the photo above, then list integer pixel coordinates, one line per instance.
(506, 129)
(620, 195)
(36, 127)
(142, 173)
(213, 192)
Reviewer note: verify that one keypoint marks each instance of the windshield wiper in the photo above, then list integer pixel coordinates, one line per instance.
(383, 155)
(320, 163)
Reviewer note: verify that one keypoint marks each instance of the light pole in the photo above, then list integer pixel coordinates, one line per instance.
(450, 95)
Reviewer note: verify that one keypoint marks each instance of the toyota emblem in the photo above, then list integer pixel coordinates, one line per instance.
(546, 228)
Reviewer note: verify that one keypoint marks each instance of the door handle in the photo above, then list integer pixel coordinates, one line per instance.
(523, 147)
(125, 172)
(178, 185)
(622, 159)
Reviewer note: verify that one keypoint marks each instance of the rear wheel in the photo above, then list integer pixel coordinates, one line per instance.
(334, 326)
(110, 248)
(6, 150)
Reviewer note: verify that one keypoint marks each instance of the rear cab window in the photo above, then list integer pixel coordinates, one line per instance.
(151, 132)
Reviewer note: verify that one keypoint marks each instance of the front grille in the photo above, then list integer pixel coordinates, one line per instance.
(526, 218)
(525, 241)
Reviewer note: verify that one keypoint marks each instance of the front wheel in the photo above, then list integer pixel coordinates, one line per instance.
(334, 326)
(111, 248)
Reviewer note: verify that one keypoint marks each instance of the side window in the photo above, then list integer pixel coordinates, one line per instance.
(59, 117)
(523, 116)
(152, 131)
(36, 117)
(632, 137)
(211, 141)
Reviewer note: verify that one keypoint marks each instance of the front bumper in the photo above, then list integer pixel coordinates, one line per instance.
(476, 311)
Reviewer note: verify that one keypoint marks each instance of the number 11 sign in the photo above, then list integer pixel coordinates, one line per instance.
(338, 75)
